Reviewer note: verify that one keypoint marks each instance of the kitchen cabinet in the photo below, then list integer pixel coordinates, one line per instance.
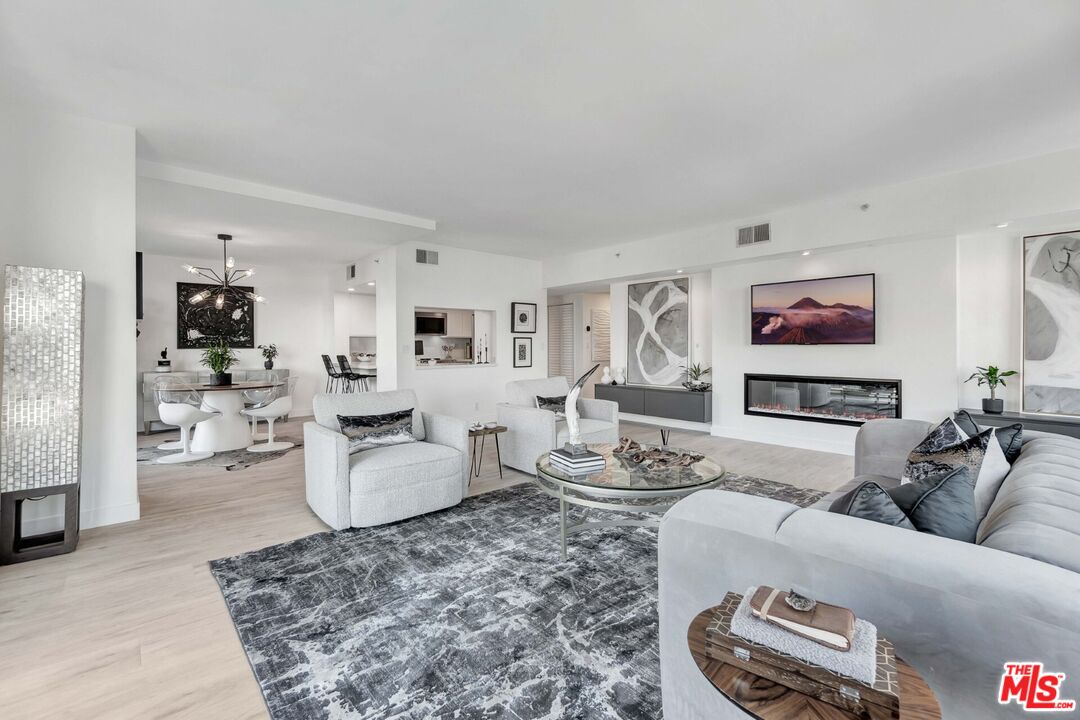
(459, 323)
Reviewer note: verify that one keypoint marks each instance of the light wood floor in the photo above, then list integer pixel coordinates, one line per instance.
(132, 625)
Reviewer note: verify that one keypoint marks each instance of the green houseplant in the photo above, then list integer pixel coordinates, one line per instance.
(269, 352)
(694, 375)
(991, 376)
(219, 357)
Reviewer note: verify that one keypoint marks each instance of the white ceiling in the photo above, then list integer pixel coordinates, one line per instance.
(181, 220)
(543, 127)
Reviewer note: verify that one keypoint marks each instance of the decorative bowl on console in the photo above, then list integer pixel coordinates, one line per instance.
(697, 386)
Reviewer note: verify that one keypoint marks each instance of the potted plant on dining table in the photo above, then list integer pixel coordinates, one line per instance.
(219, 357)
(269, 352)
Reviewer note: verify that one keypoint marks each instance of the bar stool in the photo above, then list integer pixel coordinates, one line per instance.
(353, 378)
(334, 379)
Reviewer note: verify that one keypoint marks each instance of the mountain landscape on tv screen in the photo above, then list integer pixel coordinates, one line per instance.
(809, 322)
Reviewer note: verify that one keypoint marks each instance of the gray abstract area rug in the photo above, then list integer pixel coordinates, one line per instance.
(464, 613)
(228, 460)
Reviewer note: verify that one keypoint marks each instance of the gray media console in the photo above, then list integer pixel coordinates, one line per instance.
(662, 402)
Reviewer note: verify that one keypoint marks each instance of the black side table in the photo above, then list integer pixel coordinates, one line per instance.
(478, 457)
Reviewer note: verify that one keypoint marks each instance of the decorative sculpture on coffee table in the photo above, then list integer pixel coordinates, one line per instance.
(573, 443)
(41, 411)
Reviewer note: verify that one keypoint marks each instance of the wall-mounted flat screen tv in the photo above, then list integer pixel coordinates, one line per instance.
(825, 311)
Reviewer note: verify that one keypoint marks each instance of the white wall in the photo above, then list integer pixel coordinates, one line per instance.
(916, 338)
(941, 206)
(469, 280)
(989, 302)
(298, 316)
(67, 200)
(354, 315)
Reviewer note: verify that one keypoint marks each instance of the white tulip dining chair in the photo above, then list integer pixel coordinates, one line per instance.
(277, 404)
(179, 405)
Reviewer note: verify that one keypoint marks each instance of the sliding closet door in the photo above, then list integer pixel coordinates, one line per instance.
(561, 341)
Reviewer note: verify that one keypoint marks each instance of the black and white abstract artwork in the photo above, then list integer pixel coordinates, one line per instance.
(1052, 323)
(523, 352)
(464, 613)
(522, 317)
(658, 332)
(202, 325)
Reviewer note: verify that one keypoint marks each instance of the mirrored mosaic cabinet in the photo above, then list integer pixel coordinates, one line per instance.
(41, 412)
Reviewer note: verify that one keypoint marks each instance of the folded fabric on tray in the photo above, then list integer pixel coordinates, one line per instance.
(860, 662)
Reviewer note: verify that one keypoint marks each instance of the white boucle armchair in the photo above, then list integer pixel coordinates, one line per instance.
(386, 484)
(531, 432)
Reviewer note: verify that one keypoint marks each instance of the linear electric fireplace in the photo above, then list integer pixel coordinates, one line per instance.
(845, 401)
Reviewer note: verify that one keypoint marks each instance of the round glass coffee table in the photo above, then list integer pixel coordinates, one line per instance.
(624, 486)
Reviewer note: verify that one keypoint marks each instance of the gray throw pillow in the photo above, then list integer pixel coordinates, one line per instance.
(371, 431)
(870, 501)
(942, 504)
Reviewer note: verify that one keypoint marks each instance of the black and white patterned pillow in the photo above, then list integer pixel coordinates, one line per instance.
(947, 448)
(1009, 437)
(943, 450)
(555, 404)
(371, 431)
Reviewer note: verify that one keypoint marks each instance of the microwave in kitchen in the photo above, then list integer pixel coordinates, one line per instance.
(431, 324)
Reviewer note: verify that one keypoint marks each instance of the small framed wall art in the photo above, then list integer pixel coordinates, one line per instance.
(522, 317)
(523, 352)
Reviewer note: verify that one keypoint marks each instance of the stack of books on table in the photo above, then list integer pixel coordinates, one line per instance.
(586, 463)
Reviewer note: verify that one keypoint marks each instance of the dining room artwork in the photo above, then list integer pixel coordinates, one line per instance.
(200, 326)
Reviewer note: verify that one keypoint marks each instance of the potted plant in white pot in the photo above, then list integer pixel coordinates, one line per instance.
(269, 352)
(991, 376)
(219, 357)
(694, 375)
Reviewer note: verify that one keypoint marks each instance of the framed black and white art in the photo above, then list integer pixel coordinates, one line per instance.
(523, 352)
(522, 317)
(201, 325)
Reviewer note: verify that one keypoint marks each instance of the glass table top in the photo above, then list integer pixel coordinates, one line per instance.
(622, 473)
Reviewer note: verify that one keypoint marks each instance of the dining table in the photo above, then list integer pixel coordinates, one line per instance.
(228, 429)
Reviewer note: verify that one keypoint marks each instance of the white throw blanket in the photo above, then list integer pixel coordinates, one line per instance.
(860, 662)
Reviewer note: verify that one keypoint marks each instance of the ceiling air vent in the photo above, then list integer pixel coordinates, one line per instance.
(752, 235)
(350, 272)
(427, 257)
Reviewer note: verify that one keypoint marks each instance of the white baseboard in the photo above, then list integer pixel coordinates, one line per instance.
(665, 422)
(796, 441)
(88, 518)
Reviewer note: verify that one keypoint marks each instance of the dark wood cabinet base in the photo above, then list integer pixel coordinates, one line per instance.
(14, 547)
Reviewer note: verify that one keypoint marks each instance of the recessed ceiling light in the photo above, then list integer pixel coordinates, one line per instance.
(352, 289)
(679, 270)
(1003, 225)
(371, 284)
(805, 252)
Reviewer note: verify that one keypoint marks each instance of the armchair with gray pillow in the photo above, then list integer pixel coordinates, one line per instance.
(386, 483)
(531, 432)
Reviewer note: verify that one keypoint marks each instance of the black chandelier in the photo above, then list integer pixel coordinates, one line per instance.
(224, 290)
